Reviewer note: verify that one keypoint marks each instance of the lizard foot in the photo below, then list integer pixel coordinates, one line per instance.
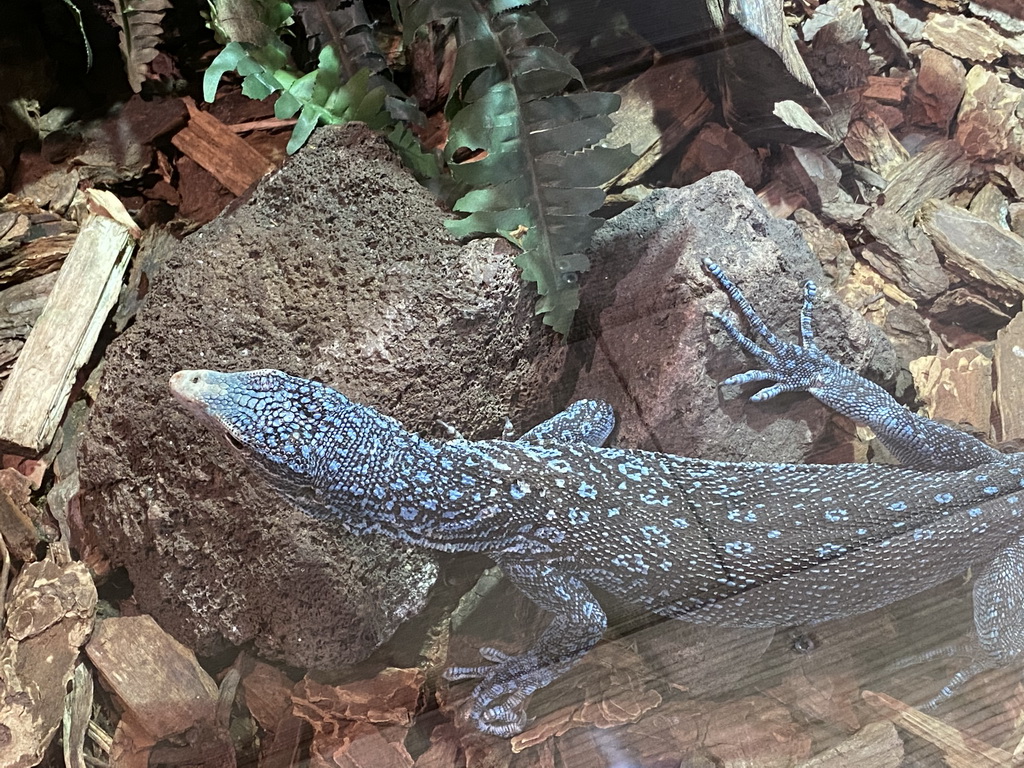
(792, 367)
(978, 660)
(499, 699)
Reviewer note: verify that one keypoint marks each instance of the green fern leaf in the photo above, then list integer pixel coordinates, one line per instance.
(533, 170)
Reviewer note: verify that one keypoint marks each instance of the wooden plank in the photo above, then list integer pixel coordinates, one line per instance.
(33, 402)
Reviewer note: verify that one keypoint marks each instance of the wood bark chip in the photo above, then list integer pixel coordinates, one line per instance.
(1015, 212)
(18, 516)
(962, 306)
(219, 150)
(359, 746)
(935, 171)
(904, 254)
(987, 254)
(33, 402)
(611, 690)
(50, 614)
(869, 141)
(716, 148)
(660, 108)
(964, 38)
(958, 749)
(956, 388)
(876, 744)
(267, 694)
(941, 82)
(390, 697)
(990, 123)
(1005, 13)
(991, 204)
(156, 678)
(1009, 369)
(887, 90)
(828, 245)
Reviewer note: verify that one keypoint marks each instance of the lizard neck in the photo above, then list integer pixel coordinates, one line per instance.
(375, 477)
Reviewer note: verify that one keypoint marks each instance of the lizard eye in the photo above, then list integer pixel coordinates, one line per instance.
(235, 443)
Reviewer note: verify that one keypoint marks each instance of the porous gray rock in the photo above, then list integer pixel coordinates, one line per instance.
(660, 355)
(338, 268)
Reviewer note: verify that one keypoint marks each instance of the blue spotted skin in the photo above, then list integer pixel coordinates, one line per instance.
(742, 544)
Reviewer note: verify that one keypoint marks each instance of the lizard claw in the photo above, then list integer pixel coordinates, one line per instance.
(498, 702)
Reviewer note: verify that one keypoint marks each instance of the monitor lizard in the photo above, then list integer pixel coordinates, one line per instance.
(734, 543)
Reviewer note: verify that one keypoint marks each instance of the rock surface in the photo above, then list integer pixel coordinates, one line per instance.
(660, 354)
(336, 268)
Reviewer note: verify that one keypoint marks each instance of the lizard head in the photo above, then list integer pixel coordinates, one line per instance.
(280, 421)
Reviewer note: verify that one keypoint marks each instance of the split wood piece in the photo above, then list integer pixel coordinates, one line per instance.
(219, 150)
(33, 401)
(659, 109)
(20, 307)
(157, 678)
(50, 615)
(958, 749)
(956, 388)
(1009, 368)
(33, 241)
(934, 172)
(991, 257)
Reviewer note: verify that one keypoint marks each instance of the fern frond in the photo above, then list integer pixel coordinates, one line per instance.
(323, 96)
(534, 169)
(140, 30)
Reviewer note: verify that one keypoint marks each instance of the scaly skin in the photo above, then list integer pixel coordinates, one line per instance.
(742, 544)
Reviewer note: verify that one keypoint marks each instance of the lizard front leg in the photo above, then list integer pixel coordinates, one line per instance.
(998, 623)
(499, 700)
(918, 442)
(586, 422)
